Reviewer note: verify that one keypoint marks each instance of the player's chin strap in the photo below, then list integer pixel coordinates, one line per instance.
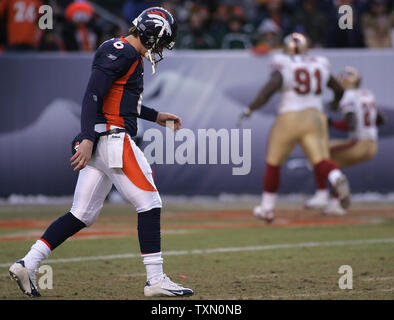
(151, 56)
(148, 55)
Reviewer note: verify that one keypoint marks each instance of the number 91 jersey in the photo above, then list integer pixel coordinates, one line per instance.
(303, 80)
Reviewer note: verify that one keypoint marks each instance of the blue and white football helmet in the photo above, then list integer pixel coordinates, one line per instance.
(157, 29)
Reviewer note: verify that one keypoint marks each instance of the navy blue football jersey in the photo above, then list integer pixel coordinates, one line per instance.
(121, 62)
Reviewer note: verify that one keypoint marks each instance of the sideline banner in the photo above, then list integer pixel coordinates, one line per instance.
(40, 102)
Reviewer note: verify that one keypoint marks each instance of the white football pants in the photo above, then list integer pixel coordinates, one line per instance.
(130, 172)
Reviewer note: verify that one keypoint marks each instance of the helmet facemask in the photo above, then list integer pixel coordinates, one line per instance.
(155, 42)
(156, 49)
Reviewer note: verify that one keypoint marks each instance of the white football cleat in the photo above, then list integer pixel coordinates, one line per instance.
(334, 208)
(263, 214)
(166, 288)
(25, 278)
(343, 190)
(318, 201)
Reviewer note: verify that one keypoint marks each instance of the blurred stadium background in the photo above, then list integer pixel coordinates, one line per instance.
(220, 63)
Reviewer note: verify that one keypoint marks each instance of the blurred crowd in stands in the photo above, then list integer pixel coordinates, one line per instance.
(258, 25)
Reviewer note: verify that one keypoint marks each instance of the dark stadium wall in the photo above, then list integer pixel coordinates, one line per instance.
(40, 97)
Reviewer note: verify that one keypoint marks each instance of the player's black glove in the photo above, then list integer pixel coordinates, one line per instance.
(329, 122)
(381, 119)
(333, 106)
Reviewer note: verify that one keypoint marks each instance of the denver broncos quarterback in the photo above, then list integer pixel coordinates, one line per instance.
(301, 79)
(360, 119)
(110, 108)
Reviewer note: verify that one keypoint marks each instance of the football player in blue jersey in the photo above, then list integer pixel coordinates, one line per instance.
(106, 155)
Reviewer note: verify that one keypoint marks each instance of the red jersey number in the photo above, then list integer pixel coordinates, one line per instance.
(368, 111)
(303, 79)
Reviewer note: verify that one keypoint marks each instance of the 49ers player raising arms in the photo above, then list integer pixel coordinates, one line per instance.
(361, 118)
(301, 79)
(110, 108)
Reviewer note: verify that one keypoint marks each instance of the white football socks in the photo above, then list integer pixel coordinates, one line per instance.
(322, 193)
(334, 175)
(268, 201)
(38, 252)
(154, 267)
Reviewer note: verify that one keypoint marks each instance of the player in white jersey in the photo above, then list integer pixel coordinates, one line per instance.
(360, 120)
(301, 80)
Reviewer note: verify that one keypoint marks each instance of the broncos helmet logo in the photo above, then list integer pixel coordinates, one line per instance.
(160, 21)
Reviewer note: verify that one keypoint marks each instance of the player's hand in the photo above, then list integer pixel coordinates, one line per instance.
(81, 158)
(333, 106)
(380, 119)
(244, 115)
(169, 120)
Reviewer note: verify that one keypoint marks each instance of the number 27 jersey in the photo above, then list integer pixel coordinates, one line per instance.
(361, 102)
(303, 80)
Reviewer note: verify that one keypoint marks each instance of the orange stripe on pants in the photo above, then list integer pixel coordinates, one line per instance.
(132, 169)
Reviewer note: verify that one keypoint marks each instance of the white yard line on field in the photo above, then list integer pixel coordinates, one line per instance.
(312, 294)
(377, 279)
(221, 250)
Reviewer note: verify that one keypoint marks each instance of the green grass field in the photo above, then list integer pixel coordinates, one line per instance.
(219, 250)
